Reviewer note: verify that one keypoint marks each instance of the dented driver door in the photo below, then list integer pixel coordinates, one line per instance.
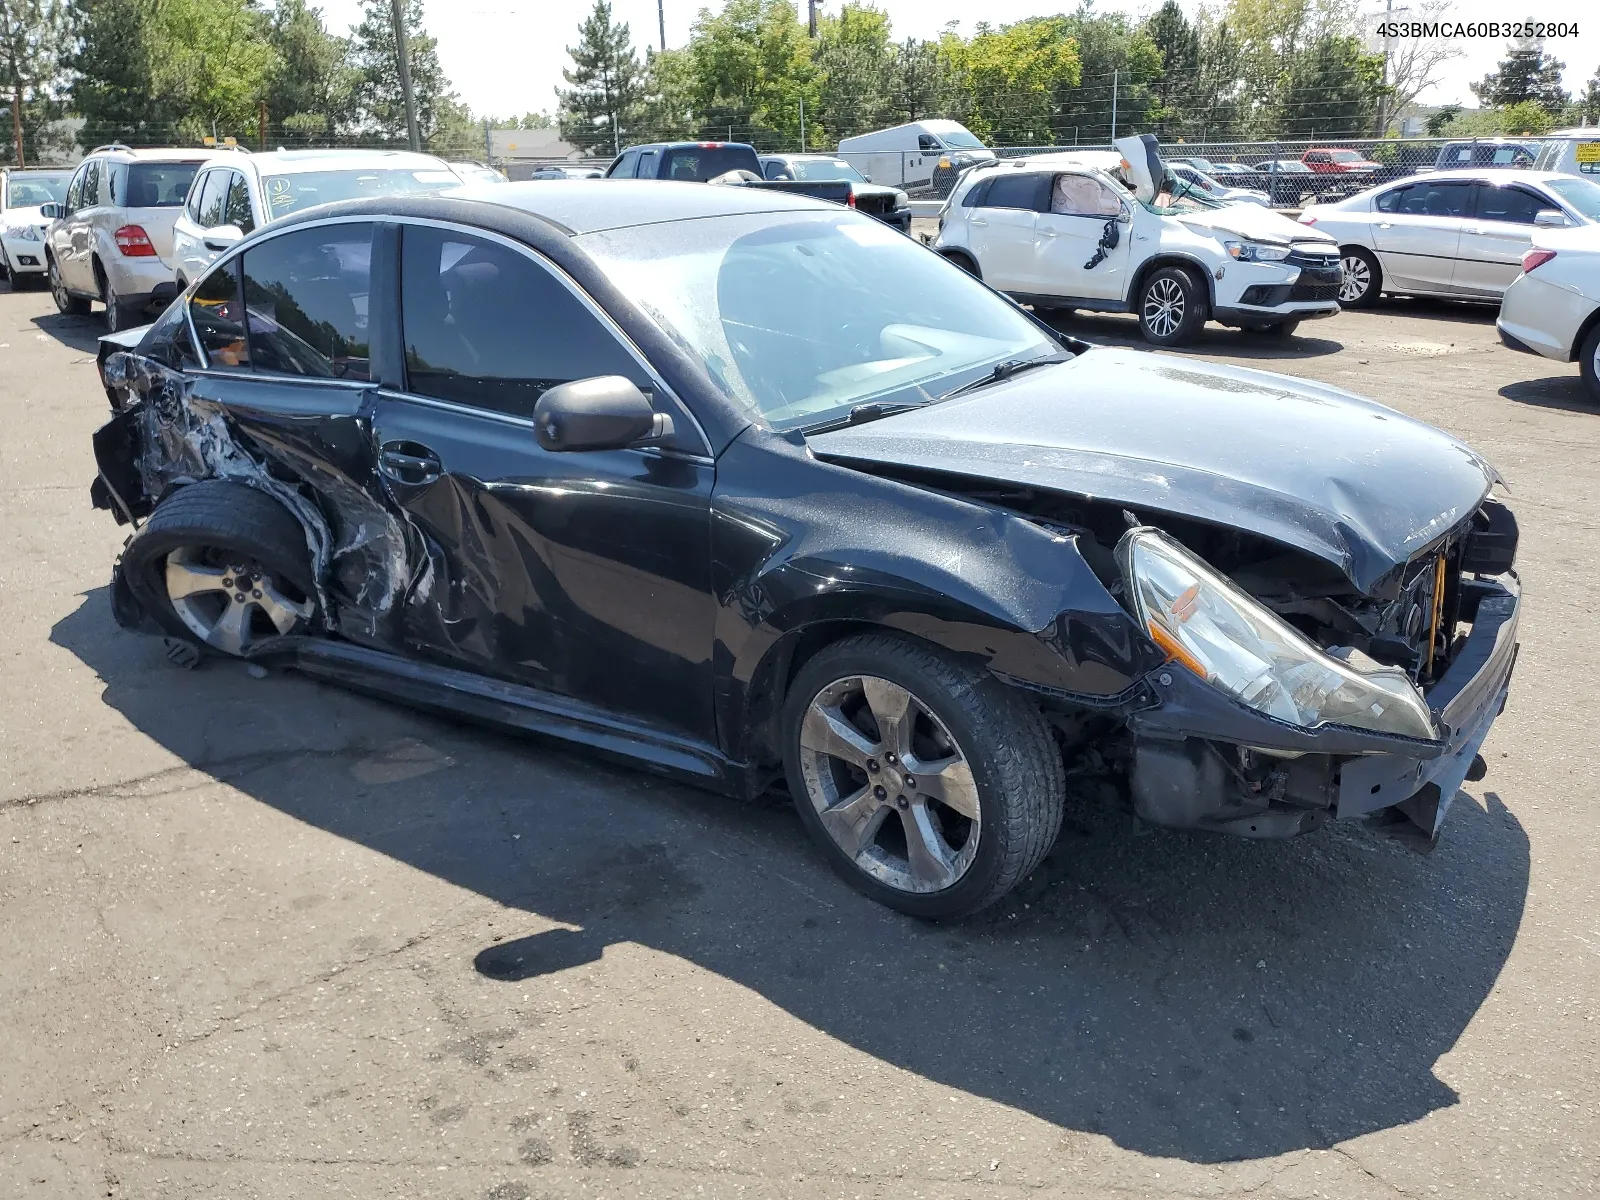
(586, 574)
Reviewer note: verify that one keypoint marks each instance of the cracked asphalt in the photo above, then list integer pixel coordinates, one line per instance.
(264, 938)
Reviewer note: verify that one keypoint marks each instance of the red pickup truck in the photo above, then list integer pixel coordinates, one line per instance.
(1338, 162)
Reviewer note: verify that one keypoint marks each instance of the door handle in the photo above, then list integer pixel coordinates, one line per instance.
(1048, 233)
(1385, 224)
(979, 221)
(409, 463)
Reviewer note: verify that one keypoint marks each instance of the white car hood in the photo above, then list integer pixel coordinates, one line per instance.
(14, 217)
(1252, 221)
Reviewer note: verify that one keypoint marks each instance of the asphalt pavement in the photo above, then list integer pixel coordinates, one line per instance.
(265, 938)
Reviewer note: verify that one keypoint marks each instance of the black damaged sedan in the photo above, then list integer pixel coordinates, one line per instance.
(744, 487)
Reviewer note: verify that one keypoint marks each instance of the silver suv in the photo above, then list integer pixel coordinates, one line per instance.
(112, 237)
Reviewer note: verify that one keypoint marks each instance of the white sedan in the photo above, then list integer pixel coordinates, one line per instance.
(1455, 234)
(1553, 307)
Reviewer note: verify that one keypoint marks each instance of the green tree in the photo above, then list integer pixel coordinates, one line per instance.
(1589, 102)
(1011, 76)
(1525, 73)
(856, 74)
(1331, 87)
(1524, 117)
(1173, 91)
(925, 84)
(666, 114)
(377, 110)
(311, 88)
(607, 84)
(35, 36)
(751, 65)
(1114, 55)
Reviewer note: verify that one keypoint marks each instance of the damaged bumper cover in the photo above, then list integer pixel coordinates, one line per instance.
(1368, 773)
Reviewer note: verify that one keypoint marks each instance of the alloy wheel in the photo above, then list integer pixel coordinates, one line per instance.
(1355, 280)
(113, 306)
(58, 289)
(1163, 307)
(227, 602)
(892, 788)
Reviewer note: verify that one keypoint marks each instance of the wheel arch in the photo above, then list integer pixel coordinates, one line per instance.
(1172, 258)
(1584, 330)
(957, 254)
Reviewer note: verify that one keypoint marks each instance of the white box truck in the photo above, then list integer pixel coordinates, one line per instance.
(922, 154)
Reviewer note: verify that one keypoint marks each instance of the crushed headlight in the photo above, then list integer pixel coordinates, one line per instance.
(1207, 624)
(1255, 251)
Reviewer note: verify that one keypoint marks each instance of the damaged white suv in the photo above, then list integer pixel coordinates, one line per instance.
(1116, 231)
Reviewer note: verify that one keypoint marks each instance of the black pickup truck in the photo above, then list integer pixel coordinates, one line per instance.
(722, 162)
(888, 204)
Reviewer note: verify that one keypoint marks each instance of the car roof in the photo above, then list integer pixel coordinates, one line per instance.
(166, 154)
(291, 162)
(808, 154)
(1492, 174)
(590, 205)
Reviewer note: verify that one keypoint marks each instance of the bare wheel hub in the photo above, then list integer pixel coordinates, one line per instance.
(228, 604)
(893, 789)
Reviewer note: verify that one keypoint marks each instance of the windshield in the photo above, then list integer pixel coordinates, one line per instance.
(833, 168)
(1178, 195)
(159, 184)
(801, 316)
(960, 139)
(1582, 194)
(291, 193)
(1345, 156)
(696, 164)
(30, 191)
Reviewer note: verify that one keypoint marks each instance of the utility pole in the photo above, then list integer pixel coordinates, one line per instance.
(1114, 105)
(802, 124)
(661, 19)
(16, 120)
(812, 5)
(261, 127)
(397, 8)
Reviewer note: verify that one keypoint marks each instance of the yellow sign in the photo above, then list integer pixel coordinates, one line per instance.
(1588, 152)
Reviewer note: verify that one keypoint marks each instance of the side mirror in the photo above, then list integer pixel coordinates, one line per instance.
(868, 178)
(221, 237)
(52, 212)
(607, 412)
(1550, 218)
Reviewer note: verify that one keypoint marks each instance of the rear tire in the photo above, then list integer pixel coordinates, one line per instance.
(119, 315)
(1362, 281)
(1172, 307)
(932, 843)
(963, 260)
(213, 533)
(66, 303)
(1589, 363)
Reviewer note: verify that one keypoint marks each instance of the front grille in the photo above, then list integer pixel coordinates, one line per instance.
(875, 206)
(1313, 259)
(1313, 291)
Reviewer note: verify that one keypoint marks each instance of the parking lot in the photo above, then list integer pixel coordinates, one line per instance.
(265, 938)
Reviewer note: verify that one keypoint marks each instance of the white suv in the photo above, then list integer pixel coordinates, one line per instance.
(111, 238)
(1117, 232)
(238, 192)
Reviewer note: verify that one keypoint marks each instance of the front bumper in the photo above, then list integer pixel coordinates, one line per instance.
(1367, 772)
(1264, 293)
(24, 257)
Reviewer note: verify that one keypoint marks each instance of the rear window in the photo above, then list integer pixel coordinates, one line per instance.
(291, 193)
(158, 184)
(697, 164)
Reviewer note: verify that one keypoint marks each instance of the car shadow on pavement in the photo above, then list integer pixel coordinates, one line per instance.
(1565, 392)
(1116, 329)
(1183, 995)
(81, 333)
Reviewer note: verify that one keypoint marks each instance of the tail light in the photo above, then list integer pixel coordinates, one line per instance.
(1536, 258)
(134, 242)
(1308, 220)
(852, 201)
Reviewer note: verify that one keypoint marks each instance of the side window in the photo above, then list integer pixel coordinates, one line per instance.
(775, 170)
(977, 194)
(1393, 199)
(212, 199)
(305, 296)
(927, 141)
(623, 167)
(1510, 204)
(1016, 191)
(91, 183)
(487, 326)
(192, 204)
(75, 189)
(218, 319)
(1446, 199)
(1083, 196)
(114, 184)
(236, 206)
(649, 164)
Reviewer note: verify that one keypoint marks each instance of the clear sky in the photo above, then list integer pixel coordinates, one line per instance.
(505, 56)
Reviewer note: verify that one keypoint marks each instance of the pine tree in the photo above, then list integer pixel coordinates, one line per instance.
(1525, 73)
(607, 84)
(34, 37)
(378, 102)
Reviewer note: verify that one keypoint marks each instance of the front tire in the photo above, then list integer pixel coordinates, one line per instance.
(1172, 307)
(223, 566)
(928, 785)
(1361, 283)
(66, 303)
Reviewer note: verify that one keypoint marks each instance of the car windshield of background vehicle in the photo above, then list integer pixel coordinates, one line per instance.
(159, 185)
(803, 316)
(831, 169)
(30, 191)
(1582, 195)
(1346, 156)
(290, 193)
(960, 140)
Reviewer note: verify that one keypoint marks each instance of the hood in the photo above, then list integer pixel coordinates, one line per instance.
(1142, 154)
(1254, 221)
(13, 217)
(1312, 467)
